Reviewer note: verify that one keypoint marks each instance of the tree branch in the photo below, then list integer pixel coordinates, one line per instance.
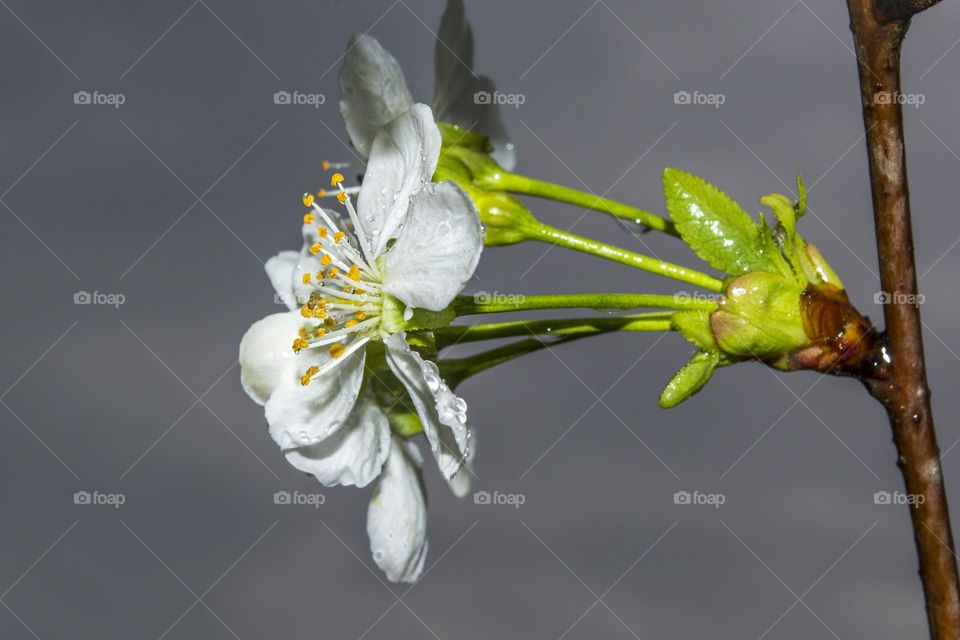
(901, 10)
(878, 29)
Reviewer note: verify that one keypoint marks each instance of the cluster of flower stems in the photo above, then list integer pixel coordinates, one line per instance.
(537, 334)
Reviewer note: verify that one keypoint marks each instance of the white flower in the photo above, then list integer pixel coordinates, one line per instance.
(417, 243)
(373, 90)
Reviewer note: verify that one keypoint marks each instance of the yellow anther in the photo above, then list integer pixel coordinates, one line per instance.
(308, 199)
(308, 218)
(319, 332)
(306, 278)
(336, 179)
(325, 260)
(306, 311)
(320, 275)
(342, 197)
(349, 323)
(354, 273)
(302, 332)
(326, 165)
(319, 313)
(360, 315)
(330, 323)
(322, 232)
(332, 272)
(359, 292)
(299, 344)
(321, 193)
(305, 378)
(337, 349)
(315, 248)
(338, 236)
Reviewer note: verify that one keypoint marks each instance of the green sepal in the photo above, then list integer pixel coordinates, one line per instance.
(392, 318)
(717, 229)
(690, 378)
(695, 327)
(453, 135)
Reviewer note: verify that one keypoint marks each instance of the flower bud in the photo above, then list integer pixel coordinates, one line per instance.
(759, 317)
(505, 218)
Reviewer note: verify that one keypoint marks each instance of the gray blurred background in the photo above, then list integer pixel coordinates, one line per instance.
(174, 199)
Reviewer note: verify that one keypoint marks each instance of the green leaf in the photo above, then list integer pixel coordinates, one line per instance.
(690, 379)
(715, 227)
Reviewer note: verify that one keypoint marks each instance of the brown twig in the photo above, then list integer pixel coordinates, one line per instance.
(878, 29)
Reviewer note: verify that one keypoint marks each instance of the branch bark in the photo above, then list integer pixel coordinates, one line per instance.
(878, 29)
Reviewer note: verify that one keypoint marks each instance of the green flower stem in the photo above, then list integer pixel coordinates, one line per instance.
(463, 334)
(466, 305)
(507, 181)
(552, 235)
(455, 371)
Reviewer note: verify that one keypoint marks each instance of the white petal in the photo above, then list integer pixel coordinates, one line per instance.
(438, 248)
(280, 271)
(373, 91)
(304, 415)
(402, 160)
(462, 480)
(456, 85)
(442, 413)
(266, 354)
(397, 517)
(354, 455)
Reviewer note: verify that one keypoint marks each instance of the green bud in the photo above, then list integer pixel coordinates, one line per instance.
(506, 219)
(760, 317)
